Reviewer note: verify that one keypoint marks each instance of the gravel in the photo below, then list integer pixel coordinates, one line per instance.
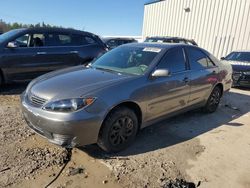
(160, 157)
(17, 161)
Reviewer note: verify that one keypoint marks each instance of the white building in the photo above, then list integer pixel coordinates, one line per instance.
(220, 26)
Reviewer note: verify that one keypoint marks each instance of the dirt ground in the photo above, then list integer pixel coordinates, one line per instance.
(208, 149)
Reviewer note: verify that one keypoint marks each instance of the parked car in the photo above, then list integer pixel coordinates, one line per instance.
(240, 61)
(171, 40)
(123, 91)
(28, 53)
(113, 42)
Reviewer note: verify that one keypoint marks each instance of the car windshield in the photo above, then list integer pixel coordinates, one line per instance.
(7, 35)
(128, 60)
(238, 56)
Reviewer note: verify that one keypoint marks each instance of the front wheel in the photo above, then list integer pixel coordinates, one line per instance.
(118, 130)
(213, 100)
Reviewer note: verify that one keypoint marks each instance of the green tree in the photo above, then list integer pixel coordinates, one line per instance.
(4, 27)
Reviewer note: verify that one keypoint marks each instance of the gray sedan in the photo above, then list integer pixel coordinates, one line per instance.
(123, 91)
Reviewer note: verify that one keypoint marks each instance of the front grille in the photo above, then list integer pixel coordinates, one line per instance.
(37, 101)
(238, 76)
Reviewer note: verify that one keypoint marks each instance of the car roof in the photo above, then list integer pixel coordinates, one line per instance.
(54, 29)
(165, 37)
(157, 45)
(240, 51)
(118, 38)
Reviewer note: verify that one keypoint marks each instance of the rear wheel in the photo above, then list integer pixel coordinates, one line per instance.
(118, 130)
(213, 100)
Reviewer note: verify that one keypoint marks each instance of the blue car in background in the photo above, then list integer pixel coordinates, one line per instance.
(240, 61)
(31, 52)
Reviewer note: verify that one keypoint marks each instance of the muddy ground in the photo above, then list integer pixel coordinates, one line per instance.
(208, 149)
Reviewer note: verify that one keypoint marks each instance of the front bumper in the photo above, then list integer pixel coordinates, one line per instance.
(64, 129)
(241, 79)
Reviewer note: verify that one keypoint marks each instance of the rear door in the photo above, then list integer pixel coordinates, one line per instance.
(60, 51)
(88, 48)
(169, 94)
(203, 74)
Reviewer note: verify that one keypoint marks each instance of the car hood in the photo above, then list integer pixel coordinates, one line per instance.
(73, 82)
(239, 65)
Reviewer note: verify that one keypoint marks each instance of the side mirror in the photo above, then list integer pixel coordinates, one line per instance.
(160, 73)
(222, 58)
(12, 45)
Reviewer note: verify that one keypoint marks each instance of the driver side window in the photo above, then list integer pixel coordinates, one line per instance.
(174, 61)
(30, 40)
(22, 41)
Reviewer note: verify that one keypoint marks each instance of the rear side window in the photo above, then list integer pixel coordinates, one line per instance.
(174, 61)
(65, 40)
(57, 39)
(198, 60)
(79, 40)
(38, 40)
(89, 40)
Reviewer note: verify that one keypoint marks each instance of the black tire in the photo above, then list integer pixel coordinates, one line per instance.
(213, 100)
(118, 130)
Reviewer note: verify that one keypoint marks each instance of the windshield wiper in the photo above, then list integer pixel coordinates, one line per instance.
(105, 69)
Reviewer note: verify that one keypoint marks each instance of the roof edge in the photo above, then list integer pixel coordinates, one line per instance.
(152, 2)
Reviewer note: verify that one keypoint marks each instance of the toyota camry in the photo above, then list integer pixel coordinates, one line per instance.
(123, 91)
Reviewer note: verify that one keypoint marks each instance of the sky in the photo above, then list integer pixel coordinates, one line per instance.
(102, 17)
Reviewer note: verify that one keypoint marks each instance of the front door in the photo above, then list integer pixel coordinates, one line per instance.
(169, 94)
(39, 53)
(61, 50)
(21, 62)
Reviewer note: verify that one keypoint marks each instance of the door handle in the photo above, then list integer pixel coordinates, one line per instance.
(74, 52)
(41, 53)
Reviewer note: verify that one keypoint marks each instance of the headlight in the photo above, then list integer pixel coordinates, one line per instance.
(69, 105)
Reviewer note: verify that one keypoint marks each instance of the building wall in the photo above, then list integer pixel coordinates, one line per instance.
(220, 26)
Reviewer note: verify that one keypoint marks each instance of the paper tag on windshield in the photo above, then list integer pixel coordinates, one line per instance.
(157, 50)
